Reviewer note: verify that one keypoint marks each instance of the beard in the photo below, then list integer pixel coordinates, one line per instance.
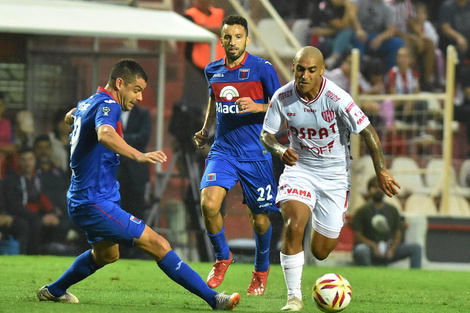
(234, 57)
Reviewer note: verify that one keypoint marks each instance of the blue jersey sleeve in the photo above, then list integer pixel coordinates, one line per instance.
(269, 80)
(108, 113)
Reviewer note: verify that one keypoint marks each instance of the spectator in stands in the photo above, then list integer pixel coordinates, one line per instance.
(7, 145)
(378, 233)
(428, 30)
(54, 182)
(23, 138)
(374, 25)
(333, 29)
(341, 76)
(402, 79)
(455, 27)
(60, 141)
(132, 176)
(408, 28)
(13, 230)
(24, 198)
(462, 111)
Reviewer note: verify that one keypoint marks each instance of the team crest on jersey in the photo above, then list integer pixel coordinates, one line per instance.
(328, 115)
(243, 73)
(135, 219)
(106, 110)
(210, 177)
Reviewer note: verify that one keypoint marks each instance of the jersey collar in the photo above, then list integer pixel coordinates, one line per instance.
(102, 90)
(323, 83)
(239, 65)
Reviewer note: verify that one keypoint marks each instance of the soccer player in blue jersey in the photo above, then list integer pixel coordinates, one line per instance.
(240, 86)
(94, 200)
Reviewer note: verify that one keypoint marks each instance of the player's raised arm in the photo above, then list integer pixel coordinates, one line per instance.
(201, 136)
(386, 181)
(68, 117)
(109, 138)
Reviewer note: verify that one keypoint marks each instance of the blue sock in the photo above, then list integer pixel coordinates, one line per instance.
(184, 275)
(219, 245)
(262, 250)
(81, 268)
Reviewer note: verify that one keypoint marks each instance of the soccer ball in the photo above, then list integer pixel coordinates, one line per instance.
(331, 293)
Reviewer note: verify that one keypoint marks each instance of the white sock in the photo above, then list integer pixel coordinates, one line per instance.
(292, 266)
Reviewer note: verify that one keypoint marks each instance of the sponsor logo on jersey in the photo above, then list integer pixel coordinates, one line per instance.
(308, 110)
(243, 73)
(135, 219)
(350, 107)
(332, 96)
(290, 114)
(210, 177)
(229, 92)
(83, 106)
(285, 94)
(226, 108)
(328, 115)
(310, 133)
(106, 110)
(298, 192)
(218, 75)
(319, 150)
(109, 101)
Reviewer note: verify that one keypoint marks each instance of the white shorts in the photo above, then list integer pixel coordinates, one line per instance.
(327, 198)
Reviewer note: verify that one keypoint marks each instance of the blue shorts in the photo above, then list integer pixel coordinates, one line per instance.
(106, 221)
(256, 179)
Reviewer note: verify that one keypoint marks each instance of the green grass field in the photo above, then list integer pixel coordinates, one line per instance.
(139, 286)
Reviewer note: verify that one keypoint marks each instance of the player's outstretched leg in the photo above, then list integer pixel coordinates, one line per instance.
(45, 295)
(181, 273)
(224, 259)
(81, 268)
(226, 302)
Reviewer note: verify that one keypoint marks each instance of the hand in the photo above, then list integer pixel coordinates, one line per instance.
(462, 43)
(289, 157)
(361, 35)
(152, 157)
(376, 250)
(387, 183)
(247, 105)
(375, 43)
(200, 138)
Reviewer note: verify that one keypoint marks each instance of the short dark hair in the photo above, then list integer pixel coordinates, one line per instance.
(25, 150)
(127, 69)
(236, 20)
(41, 138)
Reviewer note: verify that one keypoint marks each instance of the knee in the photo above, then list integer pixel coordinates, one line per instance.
(209, 206)
(260, 222)
(294, 228)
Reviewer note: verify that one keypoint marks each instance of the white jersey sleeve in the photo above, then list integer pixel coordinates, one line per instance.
(275, 118)
(352, 116)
